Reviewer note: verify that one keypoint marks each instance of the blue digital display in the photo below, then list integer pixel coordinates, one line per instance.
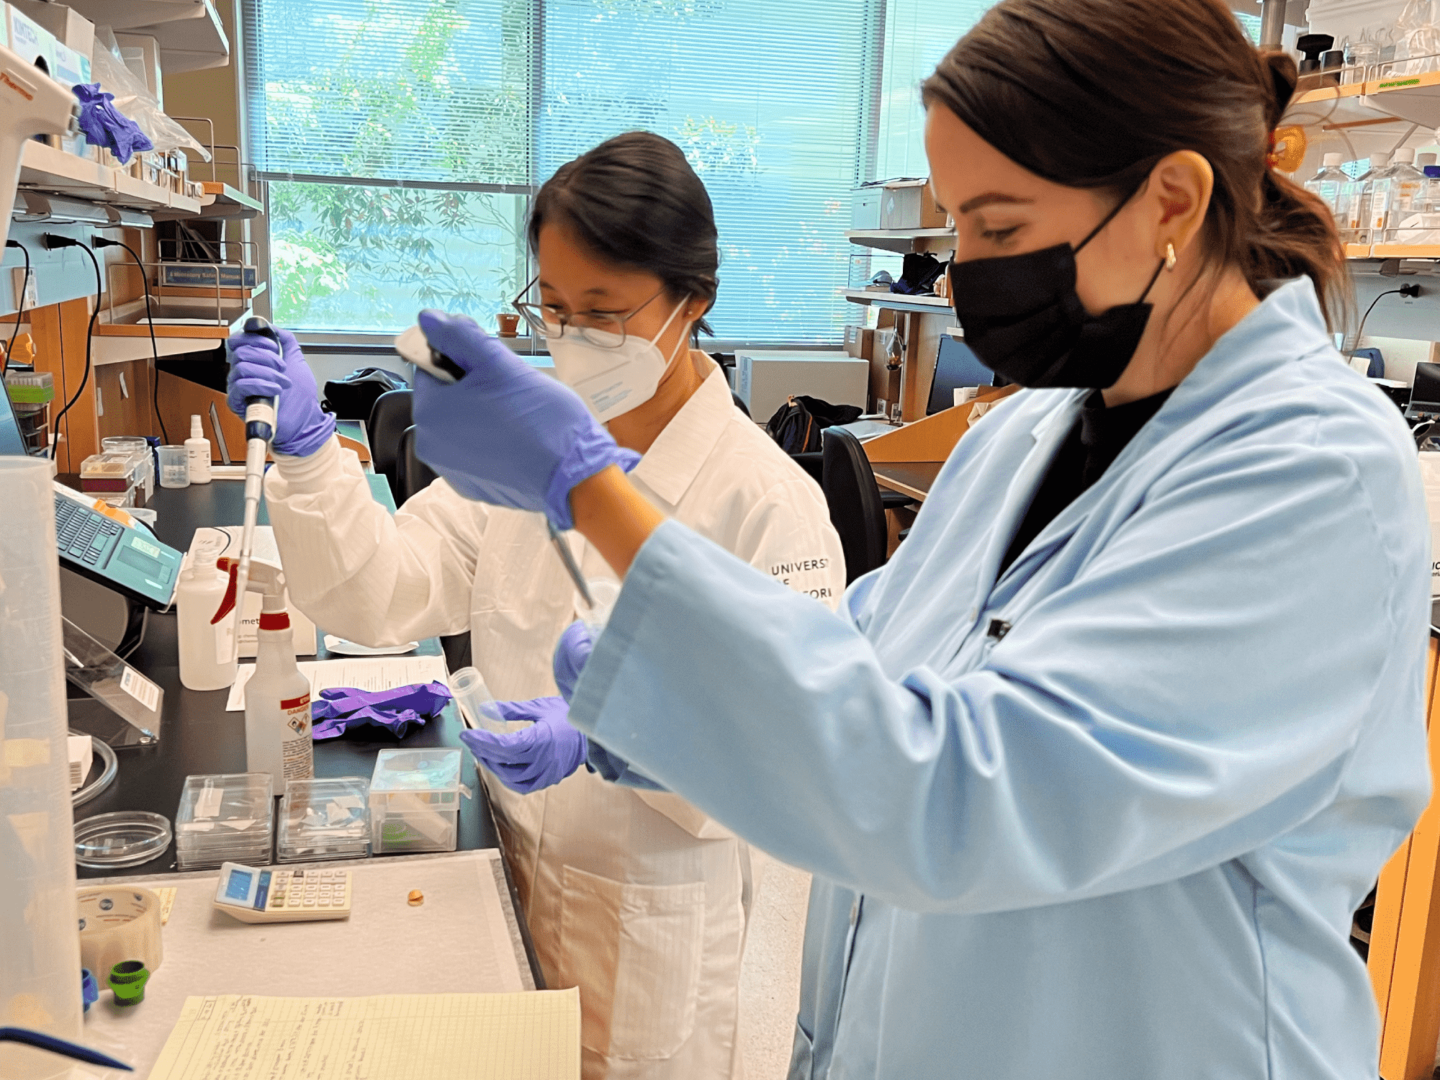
(238, 887)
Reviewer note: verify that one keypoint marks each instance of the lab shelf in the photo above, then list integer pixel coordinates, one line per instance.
(928, 305)
(1380, 107)
(45, 168)
(903, 241)
(121, 334)
(188, 32)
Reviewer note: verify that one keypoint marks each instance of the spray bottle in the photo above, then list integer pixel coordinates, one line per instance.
(277, 697)
(207, 650)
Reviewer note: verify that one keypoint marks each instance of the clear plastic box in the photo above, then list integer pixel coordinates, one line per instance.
(324, 819)
(415, 801)
(227, 817)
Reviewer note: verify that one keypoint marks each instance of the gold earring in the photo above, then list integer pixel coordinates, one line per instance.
(1169, 256)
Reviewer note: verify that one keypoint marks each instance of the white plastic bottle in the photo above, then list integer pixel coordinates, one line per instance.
(1407, 192)
(207, 650)
(197, 453)
(1359, 219)
(1326, 183)
(277, 701)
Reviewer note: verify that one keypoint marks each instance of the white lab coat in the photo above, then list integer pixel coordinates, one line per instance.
(634, 896)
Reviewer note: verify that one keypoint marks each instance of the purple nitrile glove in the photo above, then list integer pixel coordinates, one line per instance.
(506, 434)
(572, 652)
(395, 710)
(105, 125)
(259, 367)
(538, 757)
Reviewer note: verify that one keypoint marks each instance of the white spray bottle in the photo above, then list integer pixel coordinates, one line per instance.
(207, 648)
(277, 697)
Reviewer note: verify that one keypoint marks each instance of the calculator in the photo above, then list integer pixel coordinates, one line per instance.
(272, 895)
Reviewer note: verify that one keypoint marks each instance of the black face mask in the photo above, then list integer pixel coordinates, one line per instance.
(1021, 315)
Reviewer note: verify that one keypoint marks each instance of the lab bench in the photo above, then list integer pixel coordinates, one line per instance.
(198, 735)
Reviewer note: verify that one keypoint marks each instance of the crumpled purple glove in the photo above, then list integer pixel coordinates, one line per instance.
(572, 652)
(104, 125)
(260, 368)
(395, 710)
(506, 434)
(538, 757)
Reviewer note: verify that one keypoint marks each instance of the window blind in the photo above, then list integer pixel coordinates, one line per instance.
(778, 106)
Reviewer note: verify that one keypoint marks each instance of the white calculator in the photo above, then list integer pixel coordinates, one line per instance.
(273, 895)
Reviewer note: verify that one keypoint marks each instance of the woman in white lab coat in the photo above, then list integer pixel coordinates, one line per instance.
(633, 895)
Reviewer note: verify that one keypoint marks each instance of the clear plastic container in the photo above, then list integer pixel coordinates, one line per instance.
(124, 838)
(324, 819)
(31, 393)
(227, 817)
(1327, 182)
(141, 450)
(477, 704)
(1407, 188)
(415, 800)
(174, 467)
(1355, 221)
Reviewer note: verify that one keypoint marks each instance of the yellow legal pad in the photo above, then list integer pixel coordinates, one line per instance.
(526, 1036)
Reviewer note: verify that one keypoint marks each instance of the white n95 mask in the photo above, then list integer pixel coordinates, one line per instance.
(612, 381)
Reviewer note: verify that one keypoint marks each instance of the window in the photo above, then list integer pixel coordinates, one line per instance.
(402, 140)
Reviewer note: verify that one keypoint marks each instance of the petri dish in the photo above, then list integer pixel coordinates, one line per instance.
(124, 838)
(106, 761)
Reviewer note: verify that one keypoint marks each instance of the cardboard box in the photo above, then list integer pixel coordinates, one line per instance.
(859, 340)
(763, 380)
(29, 40)
(71, 67)
(910, 204)
(66, 25)
(865, 207)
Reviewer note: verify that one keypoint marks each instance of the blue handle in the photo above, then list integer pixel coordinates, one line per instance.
(64, 1048)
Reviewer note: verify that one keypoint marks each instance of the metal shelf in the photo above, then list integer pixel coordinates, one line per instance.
(927, 305)
(188, 32)
(898, 240)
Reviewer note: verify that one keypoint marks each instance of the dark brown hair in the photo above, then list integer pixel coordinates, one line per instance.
(1094, 93)
(635, 201)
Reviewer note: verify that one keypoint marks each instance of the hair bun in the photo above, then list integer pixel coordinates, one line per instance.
(1283, 78)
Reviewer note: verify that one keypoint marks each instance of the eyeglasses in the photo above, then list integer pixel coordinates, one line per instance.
(601, 328)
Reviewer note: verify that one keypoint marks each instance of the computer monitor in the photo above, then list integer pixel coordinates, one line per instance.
(12, 443)
(956, 365)
(1425, 395)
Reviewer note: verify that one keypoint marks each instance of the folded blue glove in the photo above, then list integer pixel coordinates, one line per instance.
(506, 434)
(105, 125)
(259, 367)
(572, 652)
(396, 710)
(538, 757)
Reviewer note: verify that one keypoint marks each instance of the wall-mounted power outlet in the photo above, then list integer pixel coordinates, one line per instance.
(26, 294)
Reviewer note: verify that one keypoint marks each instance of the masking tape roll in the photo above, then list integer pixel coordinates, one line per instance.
(118, 924)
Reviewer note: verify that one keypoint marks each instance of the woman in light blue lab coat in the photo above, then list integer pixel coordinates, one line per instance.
(1092, 775)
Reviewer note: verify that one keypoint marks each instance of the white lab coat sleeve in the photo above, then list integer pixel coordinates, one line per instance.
(787, 535)
(1191, 695)
(360, 572)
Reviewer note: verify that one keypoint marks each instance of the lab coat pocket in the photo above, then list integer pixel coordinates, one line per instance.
(635, 952)
(802, 1056)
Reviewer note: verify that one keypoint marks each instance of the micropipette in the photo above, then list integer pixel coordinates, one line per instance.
(413, 346)
(259, 430)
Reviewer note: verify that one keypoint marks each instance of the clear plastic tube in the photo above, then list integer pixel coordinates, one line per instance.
(40, 957)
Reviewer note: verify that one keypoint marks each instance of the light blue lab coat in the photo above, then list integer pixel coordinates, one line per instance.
(1122, 841)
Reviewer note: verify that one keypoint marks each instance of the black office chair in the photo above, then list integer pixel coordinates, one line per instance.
(813, 462)
(411, 474)
(854, 500)
(740, 404)
(392, 414)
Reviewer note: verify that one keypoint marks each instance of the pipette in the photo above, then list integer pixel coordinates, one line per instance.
(259, 430)
(413, 346)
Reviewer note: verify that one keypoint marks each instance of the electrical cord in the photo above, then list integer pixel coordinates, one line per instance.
(20, 308)
(1403, 290)
(51, 241)
(104, 242)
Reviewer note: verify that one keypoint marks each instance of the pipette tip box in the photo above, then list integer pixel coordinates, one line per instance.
(415, 801)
